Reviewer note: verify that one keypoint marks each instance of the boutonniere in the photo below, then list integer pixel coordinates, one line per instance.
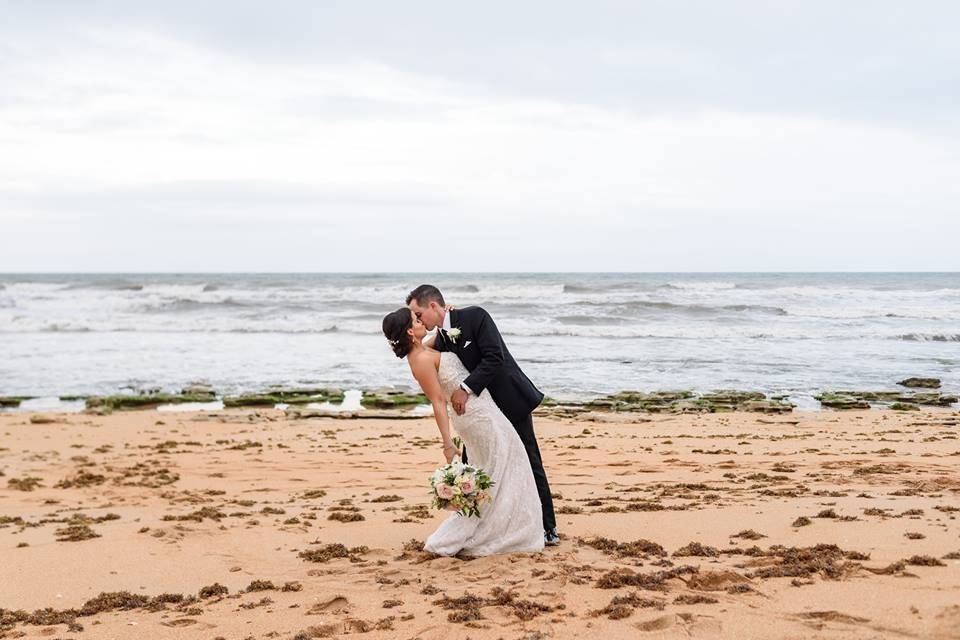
(454, 334)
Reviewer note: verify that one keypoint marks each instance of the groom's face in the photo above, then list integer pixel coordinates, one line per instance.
(430, 315)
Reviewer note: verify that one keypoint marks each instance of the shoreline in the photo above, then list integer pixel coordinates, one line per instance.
(908, 394)
(576, 336)
(250, 506)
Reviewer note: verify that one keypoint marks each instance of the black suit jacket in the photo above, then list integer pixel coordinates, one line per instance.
(482, 351)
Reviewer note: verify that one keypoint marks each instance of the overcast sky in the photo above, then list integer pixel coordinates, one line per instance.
(479, 136)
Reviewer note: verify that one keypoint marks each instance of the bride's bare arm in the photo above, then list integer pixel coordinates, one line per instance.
(425, 371)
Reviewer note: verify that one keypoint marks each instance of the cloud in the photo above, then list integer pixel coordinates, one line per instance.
(877, 60)
(202, 195)
(620, 141)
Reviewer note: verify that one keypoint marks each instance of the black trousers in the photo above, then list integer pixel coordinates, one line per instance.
(524, 429)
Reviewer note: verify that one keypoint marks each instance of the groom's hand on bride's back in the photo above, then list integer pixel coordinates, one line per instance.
(459, 401)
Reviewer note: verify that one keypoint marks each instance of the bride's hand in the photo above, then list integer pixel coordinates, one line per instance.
(450, 452)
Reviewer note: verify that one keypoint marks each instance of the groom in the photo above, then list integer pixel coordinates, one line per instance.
(472, 335)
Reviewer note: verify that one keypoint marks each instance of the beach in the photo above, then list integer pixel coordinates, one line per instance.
(711, 251)
(260, 523)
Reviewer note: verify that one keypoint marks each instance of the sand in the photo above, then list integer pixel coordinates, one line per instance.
(674, 526)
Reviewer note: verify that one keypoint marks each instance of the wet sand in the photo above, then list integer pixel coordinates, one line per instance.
(248, 524)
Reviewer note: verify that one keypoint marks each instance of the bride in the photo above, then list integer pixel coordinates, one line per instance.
(511, 521)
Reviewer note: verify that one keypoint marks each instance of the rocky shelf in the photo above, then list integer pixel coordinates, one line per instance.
(388, 402)
(13, 401)
(671, 402)
(275, 396)
(897, 400)
(387, 398)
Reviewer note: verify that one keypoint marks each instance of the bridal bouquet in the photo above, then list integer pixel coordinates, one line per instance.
(460, 486)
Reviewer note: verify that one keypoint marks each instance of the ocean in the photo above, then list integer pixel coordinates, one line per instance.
(576, 335)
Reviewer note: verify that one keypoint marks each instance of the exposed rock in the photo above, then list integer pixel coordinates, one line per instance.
(637, 401)
(197, 388)
(862, 399)
(145, 400)
(871, 396)
(842, 401)
(920, 383)
(687, 402)
(931, 398)
(730, 400)
(767, 406)
(277, 395)
(296, 413)
(602, 403)
(303, 395)
(904, 406)
(690, 405)
(251, 400)
(391, 398)
(13, 401)
(561, 410)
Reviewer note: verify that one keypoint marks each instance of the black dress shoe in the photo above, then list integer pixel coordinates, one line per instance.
(551, 538)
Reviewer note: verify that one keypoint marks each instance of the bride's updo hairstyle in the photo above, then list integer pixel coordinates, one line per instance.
(395, 326)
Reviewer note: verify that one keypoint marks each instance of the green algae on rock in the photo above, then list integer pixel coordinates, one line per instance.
(275, 396)
(920, 383)
(13, 401)
(251, 400)
(688, 402)
(840, 400)
(862, 399)
(931, 398)
(298, 413)
(145, 400)
(390, 399)
(904, 406)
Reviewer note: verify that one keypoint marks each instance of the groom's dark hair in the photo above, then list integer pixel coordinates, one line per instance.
(424, 294)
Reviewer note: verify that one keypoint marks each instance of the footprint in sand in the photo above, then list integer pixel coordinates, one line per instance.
(947, 625)
(181, 622)
(715, 580)
(693, 625)
(336, 604)
(188, 622)
(833, 616)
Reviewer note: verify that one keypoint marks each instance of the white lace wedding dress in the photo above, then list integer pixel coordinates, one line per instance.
(512, 520)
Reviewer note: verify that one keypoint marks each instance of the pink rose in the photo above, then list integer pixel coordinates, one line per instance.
(444, 491)
(467, 487)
